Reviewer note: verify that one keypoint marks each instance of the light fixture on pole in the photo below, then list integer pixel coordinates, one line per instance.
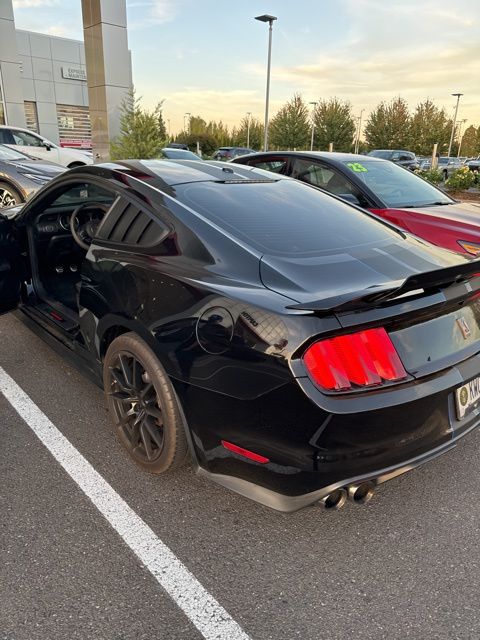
(457, 95)
(249, 119)
(185, 122)
(313, 124)
(270, 20)
(359, 129)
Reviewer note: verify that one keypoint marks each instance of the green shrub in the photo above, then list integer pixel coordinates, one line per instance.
(431, 175)
(460, 179)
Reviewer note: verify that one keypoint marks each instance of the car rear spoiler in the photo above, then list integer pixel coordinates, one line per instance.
(377, 294)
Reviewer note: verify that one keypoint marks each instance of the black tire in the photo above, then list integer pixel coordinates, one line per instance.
(76, 164)
(9, 196)
(445, 174)
(131, 369)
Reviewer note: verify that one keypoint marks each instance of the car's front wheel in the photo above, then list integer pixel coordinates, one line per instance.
(143, 405)
(9, 196)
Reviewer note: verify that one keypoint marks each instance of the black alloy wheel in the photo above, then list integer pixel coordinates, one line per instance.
(143, 405)
(9, 196)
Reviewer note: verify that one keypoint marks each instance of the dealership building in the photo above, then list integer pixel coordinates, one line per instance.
(43, 79)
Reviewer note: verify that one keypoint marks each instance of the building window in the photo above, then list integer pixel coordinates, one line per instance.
(31, 116)
(74, 126)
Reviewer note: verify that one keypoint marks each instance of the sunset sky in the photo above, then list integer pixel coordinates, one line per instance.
(208, 57)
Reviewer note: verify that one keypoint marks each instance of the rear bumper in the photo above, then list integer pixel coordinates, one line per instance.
(289, 504)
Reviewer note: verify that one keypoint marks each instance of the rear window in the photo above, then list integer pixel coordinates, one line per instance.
(284, 217)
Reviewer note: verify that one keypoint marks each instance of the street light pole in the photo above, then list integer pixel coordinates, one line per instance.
(313, 124)
(460, 135)
(249, 117)
(270, 20)
(359, 128)
(457, 95)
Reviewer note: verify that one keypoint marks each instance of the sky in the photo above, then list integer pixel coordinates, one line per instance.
(208, 57)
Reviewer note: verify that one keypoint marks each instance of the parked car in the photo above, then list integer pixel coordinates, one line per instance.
(445, 164)
(227, 153)
(389, 191)
(405, 159)
(177, 145)
(474, 164)
(299, 348)
(21, 176)
(178, 154)
(37, 146)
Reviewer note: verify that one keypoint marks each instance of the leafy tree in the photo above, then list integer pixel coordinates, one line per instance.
(239, 136)
(429, 126)
(142, 132)
(388, 126)
(333, 123)
(471, 142)
(290, 128)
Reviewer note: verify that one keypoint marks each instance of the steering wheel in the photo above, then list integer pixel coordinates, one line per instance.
(84, 226)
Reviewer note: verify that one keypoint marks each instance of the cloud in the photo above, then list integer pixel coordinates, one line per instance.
(155, 12)
(33, 4)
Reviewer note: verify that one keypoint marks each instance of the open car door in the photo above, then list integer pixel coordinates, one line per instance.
(10, 266)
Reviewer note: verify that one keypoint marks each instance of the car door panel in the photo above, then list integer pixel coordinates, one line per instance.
(10, 267)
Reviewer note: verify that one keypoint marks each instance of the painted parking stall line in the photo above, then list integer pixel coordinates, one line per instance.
(208, 616)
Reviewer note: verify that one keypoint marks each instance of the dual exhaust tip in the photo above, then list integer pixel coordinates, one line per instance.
(358, 493)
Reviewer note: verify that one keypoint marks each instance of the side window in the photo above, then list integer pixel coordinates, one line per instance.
(6, 137)
(277, 166)
(395, 157)
(128, 224)
(26, 139)
(328, 179)
(311, 172)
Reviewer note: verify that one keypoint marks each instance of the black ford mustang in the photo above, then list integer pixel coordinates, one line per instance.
(297, 347)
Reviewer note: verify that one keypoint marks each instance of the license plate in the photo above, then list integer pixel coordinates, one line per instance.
(467, 397)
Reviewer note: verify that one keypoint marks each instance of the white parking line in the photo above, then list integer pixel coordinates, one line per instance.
(211, 619)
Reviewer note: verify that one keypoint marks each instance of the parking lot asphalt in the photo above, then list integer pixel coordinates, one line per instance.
(404, 566)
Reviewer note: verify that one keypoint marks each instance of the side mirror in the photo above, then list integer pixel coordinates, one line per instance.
(48, 145)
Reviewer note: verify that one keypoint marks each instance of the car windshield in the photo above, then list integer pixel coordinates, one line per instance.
(179, 154)
(380, 154)
(285, 217)
(396, 186)
(8, 154)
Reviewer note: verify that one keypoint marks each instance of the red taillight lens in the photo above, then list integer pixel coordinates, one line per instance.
(366, 358)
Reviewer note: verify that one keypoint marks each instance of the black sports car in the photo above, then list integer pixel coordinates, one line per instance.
(299, 348)
(21, 176)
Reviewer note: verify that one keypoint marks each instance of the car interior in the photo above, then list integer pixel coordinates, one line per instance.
(59, 237)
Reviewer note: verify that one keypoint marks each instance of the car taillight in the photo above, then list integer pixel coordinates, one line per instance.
(366, 358)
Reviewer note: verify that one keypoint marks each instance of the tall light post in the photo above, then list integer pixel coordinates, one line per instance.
(460, 135)
(313, 124)
(186, 115)
(270, 20)
(249, 119)
(457, 95)
(359, 128)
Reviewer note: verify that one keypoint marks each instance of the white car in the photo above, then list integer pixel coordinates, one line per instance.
(37, 146)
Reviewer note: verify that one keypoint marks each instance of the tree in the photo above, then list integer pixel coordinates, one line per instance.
(388, 126)
(429, 126)
(471, 142)
(333, 123)
(141, 132)
(290, 128)
(239, 136)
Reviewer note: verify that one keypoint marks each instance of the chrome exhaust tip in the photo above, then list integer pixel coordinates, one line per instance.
(361, 493)
(334, 500)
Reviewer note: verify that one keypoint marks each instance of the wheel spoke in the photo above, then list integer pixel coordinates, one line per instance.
(146, 389)
(137, 373)
(154, 431)
(123, 396)
(127, 372)
(125, 419)
(117, 377)
(147, 441)
(154, 411)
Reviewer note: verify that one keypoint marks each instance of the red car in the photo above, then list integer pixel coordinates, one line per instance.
(390, 191)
